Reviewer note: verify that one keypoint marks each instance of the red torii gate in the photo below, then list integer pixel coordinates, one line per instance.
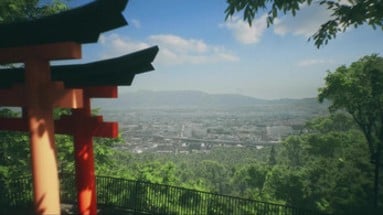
(38, 90)
(38, 97)
(83, 127)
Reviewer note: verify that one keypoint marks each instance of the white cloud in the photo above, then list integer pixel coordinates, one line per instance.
(177, 50)
(114, 45)
(135, 23)
(306, 22)
(176, 42)
(243, 32)
(174, 49)
(312, 62)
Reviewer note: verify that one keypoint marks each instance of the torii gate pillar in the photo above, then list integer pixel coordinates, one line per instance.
(84, 160)
(43, 149)
(40, 96)
(83, 126)
(35, 43)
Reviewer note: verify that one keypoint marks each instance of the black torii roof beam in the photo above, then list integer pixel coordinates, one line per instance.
(117, 71)
(81, 25)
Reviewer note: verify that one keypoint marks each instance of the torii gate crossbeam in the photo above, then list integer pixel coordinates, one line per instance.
(38, 88)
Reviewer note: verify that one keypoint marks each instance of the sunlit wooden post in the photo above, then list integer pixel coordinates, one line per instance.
(84, 163)
(83, 126)
(41, 130)
(40, 95)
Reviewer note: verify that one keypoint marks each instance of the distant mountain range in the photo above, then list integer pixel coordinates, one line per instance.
(192, 99)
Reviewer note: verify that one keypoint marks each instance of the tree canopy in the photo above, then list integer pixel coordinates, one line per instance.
(358, 89)
(344, 14)
(16, 10)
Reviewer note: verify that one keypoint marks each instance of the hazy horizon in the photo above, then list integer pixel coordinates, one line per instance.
(126, 90)
(201, 51)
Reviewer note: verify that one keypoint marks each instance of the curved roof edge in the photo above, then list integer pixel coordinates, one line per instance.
(82, 25)
(118, 71)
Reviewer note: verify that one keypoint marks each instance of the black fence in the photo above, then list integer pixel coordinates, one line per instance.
(137, 197)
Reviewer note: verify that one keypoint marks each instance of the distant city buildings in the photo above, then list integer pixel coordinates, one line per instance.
(192, 131)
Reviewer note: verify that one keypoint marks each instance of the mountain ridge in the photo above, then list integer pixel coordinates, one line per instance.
(179, 99)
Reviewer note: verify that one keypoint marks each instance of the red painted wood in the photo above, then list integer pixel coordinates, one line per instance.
(67, 98)
(101, 92)
(65, 126)
(53, 91)
(65, 50)
(85, 176)
(84, 160)
(13, 124)
(95, 126)
(12, 97)
(38, 98)
(41, 129)
(108, 129)
(83, 127)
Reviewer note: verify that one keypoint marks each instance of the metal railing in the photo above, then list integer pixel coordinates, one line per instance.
(141, 197)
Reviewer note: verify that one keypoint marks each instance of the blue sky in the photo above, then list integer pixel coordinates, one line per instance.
(199, 50)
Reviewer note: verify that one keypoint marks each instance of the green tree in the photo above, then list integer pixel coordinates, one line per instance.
(288, 186)
(294, 151)
(17, 10)
(249, 180)
(354, 13)
(272, 156)
(215, 174)
(358, 89)
(332, 174)
(14, 149)
(156, 172)
(15, 144)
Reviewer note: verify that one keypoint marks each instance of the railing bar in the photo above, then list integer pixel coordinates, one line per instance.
(146, 197)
